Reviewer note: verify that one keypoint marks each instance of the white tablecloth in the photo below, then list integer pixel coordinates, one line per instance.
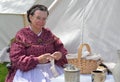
(83, 78)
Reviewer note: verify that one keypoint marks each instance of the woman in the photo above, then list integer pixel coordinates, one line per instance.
(33, 50)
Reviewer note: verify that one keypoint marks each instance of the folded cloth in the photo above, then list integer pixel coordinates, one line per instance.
(85, 54)
(70, 56)
(53, 68)
(93, 57)
(110, 65)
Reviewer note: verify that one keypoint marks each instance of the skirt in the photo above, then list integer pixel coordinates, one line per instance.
(41, 73)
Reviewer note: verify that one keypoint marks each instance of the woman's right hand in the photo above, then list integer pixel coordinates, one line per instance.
(44, 58)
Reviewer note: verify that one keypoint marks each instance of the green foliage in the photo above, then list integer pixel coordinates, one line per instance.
(3, 71)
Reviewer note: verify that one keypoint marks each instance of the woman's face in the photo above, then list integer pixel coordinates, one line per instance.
(38, 20)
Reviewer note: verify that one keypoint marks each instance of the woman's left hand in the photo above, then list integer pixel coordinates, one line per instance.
(57, 55)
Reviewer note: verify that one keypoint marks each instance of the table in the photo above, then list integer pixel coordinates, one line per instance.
(83, 78)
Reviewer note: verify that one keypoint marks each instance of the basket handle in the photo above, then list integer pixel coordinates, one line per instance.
(80, 50)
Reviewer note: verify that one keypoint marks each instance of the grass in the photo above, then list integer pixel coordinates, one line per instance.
(3, 71)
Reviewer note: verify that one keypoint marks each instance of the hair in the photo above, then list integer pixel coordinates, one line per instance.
(32, 10)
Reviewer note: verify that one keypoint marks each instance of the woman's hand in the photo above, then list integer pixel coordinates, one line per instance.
(45, 58)
(57, 55)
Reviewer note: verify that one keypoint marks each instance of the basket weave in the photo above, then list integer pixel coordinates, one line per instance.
(86, 66)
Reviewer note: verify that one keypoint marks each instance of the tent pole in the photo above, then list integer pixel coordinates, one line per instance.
(53, 5)
(83, 26)
(25, 20)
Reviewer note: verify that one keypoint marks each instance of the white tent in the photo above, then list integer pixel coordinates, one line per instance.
(95, 22)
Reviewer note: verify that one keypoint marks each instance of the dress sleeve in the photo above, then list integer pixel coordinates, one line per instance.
(19, 59)
(60, 47)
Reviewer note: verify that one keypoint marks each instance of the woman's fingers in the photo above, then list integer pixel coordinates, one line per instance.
(57, 55)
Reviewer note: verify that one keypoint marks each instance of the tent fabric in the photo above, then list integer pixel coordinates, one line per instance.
(9, 25)
(15, 7)
(95, 22)
(13, 17)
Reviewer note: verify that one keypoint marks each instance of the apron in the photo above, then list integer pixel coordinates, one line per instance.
(41, 73)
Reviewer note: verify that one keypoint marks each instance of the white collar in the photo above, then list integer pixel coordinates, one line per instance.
(38, 33)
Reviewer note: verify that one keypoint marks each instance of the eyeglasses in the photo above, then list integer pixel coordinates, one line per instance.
(40, 18)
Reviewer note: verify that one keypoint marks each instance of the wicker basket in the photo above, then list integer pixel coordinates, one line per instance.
(86, 66)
